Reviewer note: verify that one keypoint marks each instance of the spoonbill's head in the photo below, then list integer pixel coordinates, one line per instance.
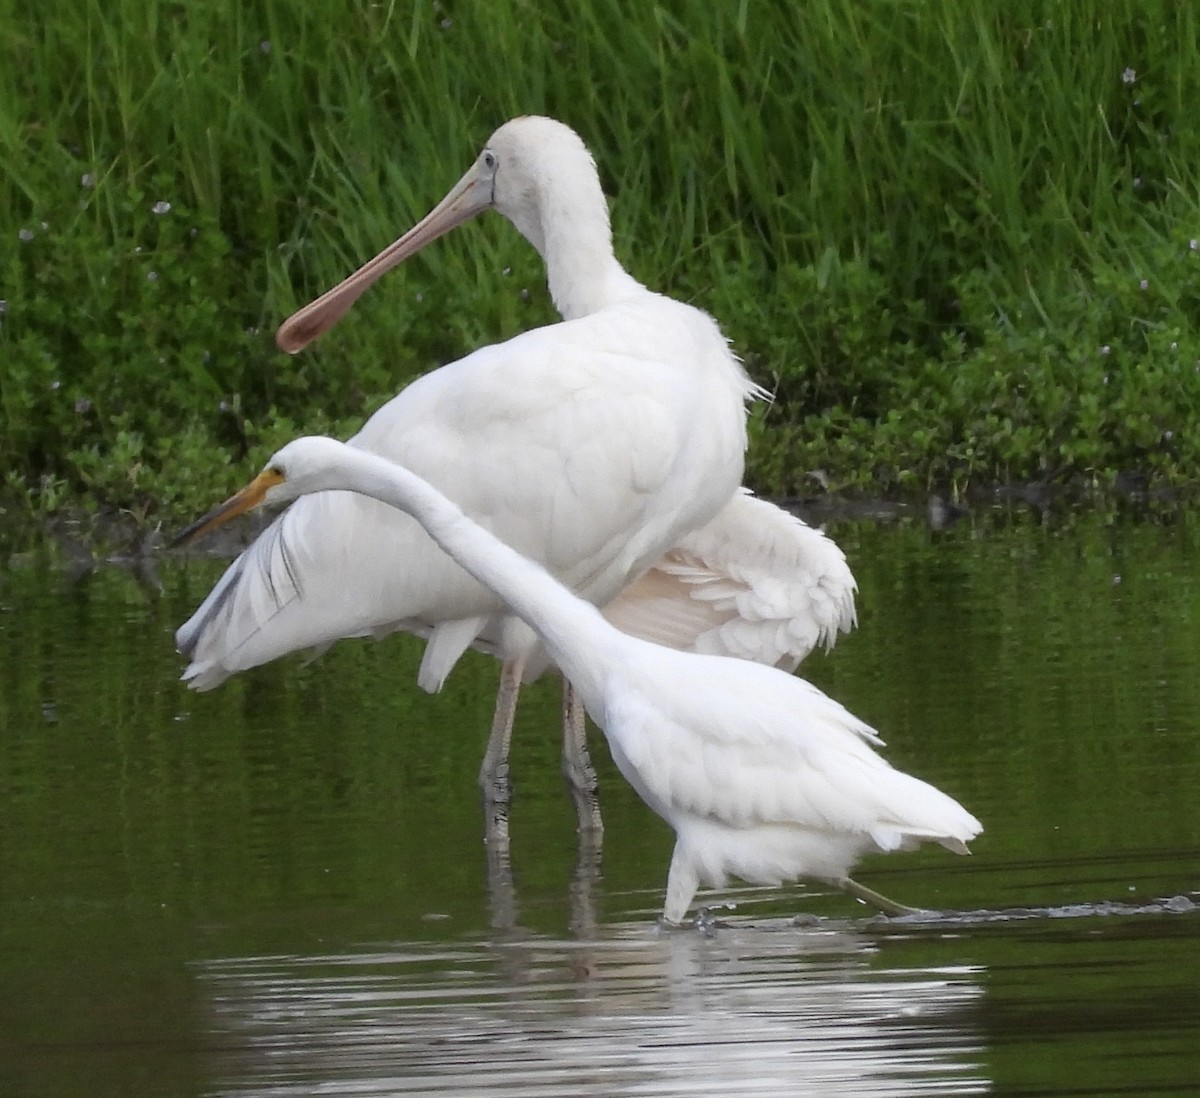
(304, 465)
(544, 176)
(534, 170)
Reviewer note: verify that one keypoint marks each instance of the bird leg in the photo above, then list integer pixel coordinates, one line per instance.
(682, 882)
(585, 878)
(876, 899)
(502, 892)
(493, 773)
(577, 764)
(497, 792)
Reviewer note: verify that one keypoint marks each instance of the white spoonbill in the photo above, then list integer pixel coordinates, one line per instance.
(760, 774)
(754, 581)
(592, 446)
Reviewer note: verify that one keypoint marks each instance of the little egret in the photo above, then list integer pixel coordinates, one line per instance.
(760, 775)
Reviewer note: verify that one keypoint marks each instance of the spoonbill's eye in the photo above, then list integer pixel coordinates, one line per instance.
(490, 160)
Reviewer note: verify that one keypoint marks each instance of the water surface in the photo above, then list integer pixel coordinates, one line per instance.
(279, 887)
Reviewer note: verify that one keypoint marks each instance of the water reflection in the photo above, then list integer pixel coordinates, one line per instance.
(762, 1009)
(1046, 673)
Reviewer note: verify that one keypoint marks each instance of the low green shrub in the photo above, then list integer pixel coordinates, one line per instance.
(954, 238)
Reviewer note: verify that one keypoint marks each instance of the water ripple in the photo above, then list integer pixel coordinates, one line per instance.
(636, 1011)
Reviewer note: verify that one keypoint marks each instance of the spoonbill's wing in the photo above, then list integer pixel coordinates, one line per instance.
(755, 582)
(573, 443)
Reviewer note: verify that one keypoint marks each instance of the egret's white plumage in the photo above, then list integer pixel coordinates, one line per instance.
(761, 775)
(603, 446)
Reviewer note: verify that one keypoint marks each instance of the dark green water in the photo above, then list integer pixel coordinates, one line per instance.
(279, 888)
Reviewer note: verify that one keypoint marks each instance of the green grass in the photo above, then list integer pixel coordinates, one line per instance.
(926, 224)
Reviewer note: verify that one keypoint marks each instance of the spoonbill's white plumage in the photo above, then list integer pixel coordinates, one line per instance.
(755, 582)
(592, 446)
(565, 440)
(760, 774)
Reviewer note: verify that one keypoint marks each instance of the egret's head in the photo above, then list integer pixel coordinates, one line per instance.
(302, 466)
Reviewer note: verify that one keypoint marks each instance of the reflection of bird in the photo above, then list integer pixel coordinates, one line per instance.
(594, 445)
(759, 773)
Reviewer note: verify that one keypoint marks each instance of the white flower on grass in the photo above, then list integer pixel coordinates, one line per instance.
(1194, 244)
(152, 276)
(87, 180)
(1145, 284)
(1106, 350)
(160, 207)
(1129, 76)
(25, 235)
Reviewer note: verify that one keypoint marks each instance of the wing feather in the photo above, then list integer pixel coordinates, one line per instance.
(755, 582)
(748, 746)
(589, 446)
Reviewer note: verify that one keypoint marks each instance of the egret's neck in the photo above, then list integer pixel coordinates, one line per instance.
(575, 633)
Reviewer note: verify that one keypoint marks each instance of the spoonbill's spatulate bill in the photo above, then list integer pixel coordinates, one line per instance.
(602, 447)
(761, 775)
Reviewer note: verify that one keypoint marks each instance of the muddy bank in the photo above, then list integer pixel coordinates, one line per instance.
(82, 541)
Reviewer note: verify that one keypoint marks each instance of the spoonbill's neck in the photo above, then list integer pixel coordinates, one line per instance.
(582, 272)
